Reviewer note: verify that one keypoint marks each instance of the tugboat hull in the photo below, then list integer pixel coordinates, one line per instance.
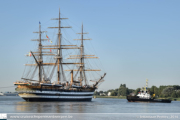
(137, 99)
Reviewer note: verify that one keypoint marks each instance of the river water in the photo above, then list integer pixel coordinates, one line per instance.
(99, 108)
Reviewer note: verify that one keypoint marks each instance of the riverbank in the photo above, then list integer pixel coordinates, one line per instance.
(115, 97)
(173, 99)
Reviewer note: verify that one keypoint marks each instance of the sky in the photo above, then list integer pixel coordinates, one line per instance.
(134, 40)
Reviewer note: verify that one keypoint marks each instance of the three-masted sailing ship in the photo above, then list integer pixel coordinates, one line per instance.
(62, 89)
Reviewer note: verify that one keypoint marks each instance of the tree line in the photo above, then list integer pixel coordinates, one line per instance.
(161, 91)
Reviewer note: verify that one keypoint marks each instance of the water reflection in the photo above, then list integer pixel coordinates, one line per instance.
(99, 105)
(52, 107)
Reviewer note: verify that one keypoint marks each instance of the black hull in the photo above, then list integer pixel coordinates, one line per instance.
(48, 96)
(55, 99)
(137, 99)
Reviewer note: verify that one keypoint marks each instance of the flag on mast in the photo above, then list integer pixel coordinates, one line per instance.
(30, 54)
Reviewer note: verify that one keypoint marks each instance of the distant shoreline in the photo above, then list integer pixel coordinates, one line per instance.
(116, 97)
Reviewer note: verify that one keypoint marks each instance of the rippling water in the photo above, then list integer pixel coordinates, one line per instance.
(104, 108)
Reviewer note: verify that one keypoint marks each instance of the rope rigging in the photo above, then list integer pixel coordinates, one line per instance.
(50, 70)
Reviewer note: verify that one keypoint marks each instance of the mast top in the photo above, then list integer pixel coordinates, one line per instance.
(59, 12)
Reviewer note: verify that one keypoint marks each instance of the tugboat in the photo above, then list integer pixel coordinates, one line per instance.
(144, 96)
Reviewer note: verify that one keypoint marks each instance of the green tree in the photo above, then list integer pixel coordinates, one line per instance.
(174, 95)
(137, 90)
(113, 93)
(123, 91)
(154, 90)
(178, 93)
(110, 90)
(167, 91)
(116, 90)
(100, 91)
(161, 89)
(105, 92)
(96, 93)
(176, 87)
(130, 91)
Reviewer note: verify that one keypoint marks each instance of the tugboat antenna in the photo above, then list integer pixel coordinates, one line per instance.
(146, 84)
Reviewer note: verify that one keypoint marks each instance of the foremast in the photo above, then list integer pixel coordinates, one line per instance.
(39, 62)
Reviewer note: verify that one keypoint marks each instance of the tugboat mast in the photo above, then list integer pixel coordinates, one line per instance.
(146, 84)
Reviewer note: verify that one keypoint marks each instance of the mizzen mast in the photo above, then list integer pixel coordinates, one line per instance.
(82, 72)
(82, 56)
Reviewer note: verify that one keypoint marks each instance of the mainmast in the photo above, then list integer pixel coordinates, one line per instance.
(82, 72)
(59, 56)
(59, 49)
(40, 60)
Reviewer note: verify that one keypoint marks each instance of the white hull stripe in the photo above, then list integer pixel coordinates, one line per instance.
(53, 92)
(71, 97)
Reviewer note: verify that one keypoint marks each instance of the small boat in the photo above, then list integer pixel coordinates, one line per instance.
(1, 94)
(144, 96)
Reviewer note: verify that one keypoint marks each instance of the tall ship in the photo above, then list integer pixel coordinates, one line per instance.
(144, 96)
(47, 80)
